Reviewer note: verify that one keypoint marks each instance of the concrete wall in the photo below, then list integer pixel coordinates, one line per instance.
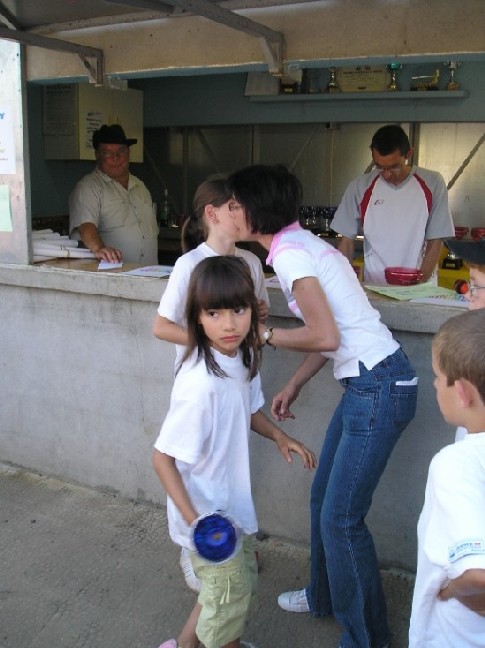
(84, 388)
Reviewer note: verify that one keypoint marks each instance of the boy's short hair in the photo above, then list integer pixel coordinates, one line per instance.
(459, 348)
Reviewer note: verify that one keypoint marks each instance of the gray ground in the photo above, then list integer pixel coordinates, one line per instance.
(81, 568)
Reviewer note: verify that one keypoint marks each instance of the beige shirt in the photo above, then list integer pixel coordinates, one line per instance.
(124, 217)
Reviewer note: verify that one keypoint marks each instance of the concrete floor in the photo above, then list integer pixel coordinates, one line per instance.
(87, 569)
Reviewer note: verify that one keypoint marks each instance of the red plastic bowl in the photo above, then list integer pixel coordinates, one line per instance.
(460, 232)
(477, 233)
(403, 276)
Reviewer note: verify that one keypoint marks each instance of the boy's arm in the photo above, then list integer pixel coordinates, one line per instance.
(171, 480)
(469, 589)
(261, 424)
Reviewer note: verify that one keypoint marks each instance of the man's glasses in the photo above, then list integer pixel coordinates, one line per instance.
(112, 155)
(234, 207)
(394, 169)
(473, 289)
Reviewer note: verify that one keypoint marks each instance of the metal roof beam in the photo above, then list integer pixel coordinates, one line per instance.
(273, 41)
(8, 18)
(87, 54)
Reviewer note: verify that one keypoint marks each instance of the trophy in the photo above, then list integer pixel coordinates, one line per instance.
(332, 85)
(393, 68)
(452, 67)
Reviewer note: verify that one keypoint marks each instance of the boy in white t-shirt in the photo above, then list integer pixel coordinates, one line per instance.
(449, 597)
(473, 253)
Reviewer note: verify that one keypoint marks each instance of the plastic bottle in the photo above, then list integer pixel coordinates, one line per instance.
(165, 216)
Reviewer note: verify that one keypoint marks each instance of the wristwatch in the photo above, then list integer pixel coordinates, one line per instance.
(267, 335)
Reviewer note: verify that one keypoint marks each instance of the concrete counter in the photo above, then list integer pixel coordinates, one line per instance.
(85, 386)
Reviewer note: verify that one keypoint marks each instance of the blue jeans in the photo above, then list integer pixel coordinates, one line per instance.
(364, 429)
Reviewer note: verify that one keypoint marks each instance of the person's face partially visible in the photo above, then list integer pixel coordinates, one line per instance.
(445, 394)
(239, 214)
(476, 292)
(114, 160)
(392, 168)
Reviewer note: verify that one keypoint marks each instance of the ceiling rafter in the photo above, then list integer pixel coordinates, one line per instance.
(96, 14)
(273, 41)
(87, 54)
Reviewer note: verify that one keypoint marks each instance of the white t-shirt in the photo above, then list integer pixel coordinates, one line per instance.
(451, 540)
(172, 303)
(206, 430)
(397, 219)
(296, 253)
(124, 217)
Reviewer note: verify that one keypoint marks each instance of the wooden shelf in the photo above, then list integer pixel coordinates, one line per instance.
(351, 96)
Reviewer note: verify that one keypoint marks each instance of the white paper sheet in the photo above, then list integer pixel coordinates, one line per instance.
(107, 265)
(159, 271)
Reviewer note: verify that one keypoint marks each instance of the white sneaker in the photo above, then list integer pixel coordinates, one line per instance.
(294, 601)
(188, 571)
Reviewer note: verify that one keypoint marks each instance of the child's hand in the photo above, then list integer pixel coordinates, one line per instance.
(469, 589)
(287, 445)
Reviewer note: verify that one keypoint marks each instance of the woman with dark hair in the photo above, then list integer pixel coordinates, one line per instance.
(379, 400)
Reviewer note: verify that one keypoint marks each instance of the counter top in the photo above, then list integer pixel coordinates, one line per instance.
(81, 276)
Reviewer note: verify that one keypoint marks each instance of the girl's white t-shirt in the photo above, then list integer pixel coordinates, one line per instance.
(206, 430)
(172, 303)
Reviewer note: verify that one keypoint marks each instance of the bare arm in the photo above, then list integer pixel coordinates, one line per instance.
(90, 237)
(261, 424)
(320, 332)
(263, 310)
(430, 259)
(311, 365)
(469, 589)
(165, 329)
(347, 247)
(171, 480)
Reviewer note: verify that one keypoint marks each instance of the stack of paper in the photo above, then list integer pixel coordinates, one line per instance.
(47, 244)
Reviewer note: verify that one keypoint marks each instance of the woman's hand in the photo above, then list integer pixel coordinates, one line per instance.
(263, 310)
(280, 406)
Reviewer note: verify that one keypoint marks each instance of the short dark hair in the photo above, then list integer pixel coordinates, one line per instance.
(270, 195)
(390, 138)
(459, 348)
(222, 282)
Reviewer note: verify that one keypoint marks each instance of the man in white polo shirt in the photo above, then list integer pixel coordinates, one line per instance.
(401, 209)
(110, 210)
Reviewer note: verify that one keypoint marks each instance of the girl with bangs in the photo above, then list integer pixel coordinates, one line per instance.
(202, 456)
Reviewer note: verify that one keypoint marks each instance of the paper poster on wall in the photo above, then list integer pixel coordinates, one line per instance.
(5, 214)
(7, 148)
(94, 121)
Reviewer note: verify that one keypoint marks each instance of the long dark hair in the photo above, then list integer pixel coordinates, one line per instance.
(213, 191)
(221, 282)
